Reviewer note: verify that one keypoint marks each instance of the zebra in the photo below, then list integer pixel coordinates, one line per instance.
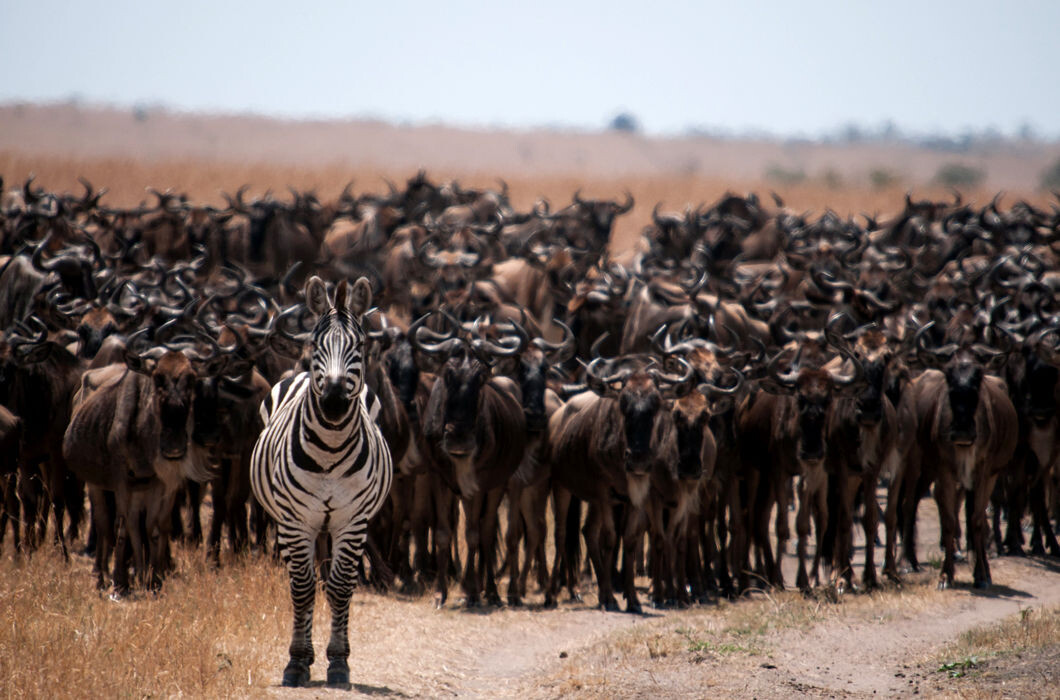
(321, 465)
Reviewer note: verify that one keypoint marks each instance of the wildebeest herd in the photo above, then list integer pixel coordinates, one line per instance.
(666, 411)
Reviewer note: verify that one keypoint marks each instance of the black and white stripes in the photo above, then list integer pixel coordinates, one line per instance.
(321, 465)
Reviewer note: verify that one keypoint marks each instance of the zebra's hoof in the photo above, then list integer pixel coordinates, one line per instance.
(338, 674)
(295, 676)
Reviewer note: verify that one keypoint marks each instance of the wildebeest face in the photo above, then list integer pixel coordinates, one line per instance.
(963, 379)
(95, 327)
(206, 420)
(404, 373)
(875, 357)
(174, 383)
(813, 398)
(690, 420)
(531, 374)
(639, 405)
(464, 377)
(1041, 386)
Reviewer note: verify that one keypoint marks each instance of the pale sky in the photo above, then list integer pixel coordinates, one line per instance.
(790, 68)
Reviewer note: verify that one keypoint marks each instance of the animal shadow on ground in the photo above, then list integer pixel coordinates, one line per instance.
(995, 591)
(362, 688)
(1051, 564)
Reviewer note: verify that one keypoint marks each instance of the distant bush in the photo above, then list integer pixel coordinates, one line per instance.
(883, 178)
(832, 179)
(624, 121)
(1051, 176)
(959, 175)
(785, 176)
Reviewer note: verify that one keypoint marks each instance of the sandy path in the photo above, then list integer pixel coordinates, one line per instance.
(881, 656)
(859, 649)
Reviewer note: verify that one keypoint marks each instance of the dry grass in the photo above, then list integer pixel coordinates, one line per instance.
(202, 636)
(1018, 658)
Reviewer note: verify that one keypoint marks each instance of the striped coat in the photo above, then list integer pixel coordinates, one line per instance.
(322, 467)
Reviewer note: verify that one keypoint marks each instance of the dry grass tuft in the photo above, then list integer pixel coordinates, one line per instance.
(200, 637)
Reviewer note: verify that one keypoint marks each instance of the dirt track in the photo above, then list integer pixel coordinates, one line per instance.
(880, 644)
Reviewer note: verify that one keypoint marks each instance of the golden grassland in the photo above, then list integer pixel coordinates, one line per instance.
(203, 181)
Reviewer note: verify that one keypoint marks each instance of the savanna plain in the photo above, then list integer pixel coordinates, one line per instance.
(223, 632)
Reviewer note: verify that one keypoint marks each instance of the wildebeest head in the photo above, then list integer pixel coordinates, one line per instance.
(813, 388)
(963, 366)
(467, 367)
(600, 215)
(336, 364)
(875, 353)
(531, 372)
(172, 377)
(635, 383)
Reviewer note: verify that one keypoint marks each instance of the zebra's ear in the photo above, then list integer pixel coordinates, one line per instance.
(360, 297)
(316, 296)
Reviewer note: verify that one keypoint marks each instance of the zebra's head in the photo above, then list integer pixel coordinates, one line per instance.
(336, 363)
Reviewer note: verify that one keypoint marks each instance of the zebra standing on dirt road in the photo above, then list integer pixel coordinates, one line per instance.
(321, 465)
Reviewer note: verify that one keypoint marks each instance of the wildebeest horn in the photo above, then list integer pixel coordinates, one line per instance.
(504, 347)
(660, 377)
(627, 205)
(789, 379)
(710, 389)
(558, 353)
(440, 343)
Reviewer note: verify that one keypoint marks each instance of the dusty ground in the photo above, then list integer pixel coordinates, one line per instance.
(775, 645)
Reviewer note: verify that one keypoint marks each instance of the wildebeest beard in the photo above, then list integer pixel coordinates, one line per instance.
(639, 411)
(964, 380)
(173, 438)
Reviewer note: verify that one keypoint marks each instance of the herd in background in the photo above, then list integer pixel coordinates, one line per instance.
(748, 359)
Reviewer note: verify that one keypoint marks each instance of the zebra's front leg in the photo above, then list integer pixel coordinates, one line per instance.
(298, 553)
(346, 553)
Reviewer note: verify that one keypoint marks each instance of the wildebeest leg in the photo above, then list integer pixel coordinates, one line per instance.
(1013, 484)
(218, 489)
(843, 538)
(732, 540)
(123, 521)
(347, 547)
(820, 526)
(1042, 523)
(599, 534)
(632, 539)
(869, 521)
(102, 508)
(760, 512)
(10, 511)
(443, 499)
(74, 498)
(488, 547)
(946, 498)
(513, 538)
(978, 500)
(783, 497)
(421, 516)
(533, 503)
(561, 500)
(810, 482)
(396, 543)
(474, 509)
(298, 549)
(910, 504)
